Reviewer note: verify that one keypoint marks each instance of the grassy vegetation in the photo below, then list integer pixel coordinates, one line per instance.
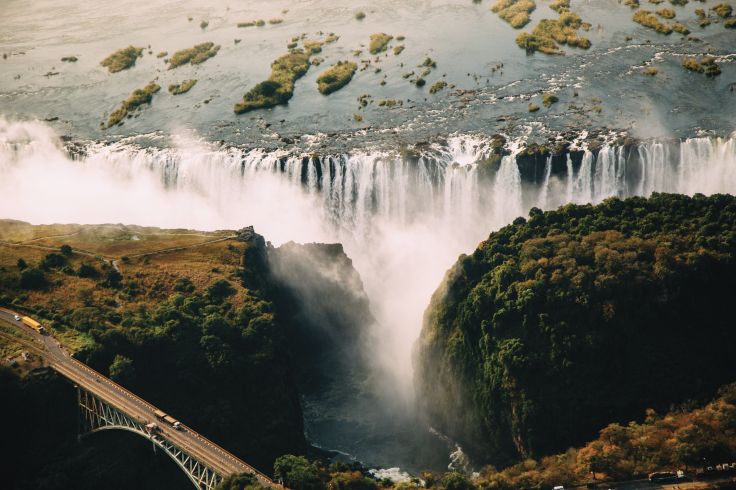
(678, 439)
(650, 70)
(279, 87)
(634, 4)
(666, 13)
(336, 77)
(360, 15)
(533, 107)
(182, 88)
(706, 65)
(181, 317)
(390, 103)
(162, 54)
(515, 12)
(549, 99)
(548, 34)
(723, 10)
(198, 323)
(539, 313)
(437, 86)
(70, 59)
(560, 6)
(398, 49)
(650, 20)
(379, 42)
(122, 59)
(195, 55)
(136, 99)
(680, 28)
(313, 46)
(275, 21)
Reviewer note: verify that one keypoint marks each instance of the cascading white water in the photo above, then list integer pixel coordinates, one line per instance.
(404, 220)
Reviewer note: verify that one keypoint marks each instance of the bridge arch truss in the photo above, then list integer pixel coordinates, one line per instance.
(97, 415)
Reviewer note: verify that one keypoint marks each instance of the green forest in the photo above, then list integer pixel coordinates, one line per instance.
(564, 322)
(230, 356)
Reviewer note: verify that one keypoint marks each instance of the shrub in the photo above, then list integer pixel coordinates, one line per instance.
(437, 86)
(194, 55)
(136, 99)
(219, 290)
(87, 271)
(53, 261)
(33, 279)
(648, 19)
(122, 59)
(549, 99)
(515, 12)
(122, 370)
(279, 87)
(182, 88)
(379, 42)
(723, 10)
(336, 77)
(297, 473)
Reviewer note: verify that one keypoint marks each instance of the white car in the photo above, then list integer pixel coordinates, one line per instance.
(17, 318)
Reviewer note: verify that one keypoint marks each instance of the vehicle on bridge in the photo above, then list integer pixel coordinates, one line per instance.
(28, 321)
(168, 419)
(153, 428)
(663, 477)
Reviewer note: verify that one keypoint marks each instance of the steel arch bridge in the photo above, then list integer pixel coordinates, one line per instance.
(96, 415)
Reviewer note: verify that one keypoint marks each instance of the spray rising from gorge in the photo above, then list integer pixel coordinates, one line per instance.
(403, 216)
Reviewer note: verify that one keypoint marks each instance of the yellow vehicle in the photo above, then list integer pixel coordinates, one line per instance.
(33, 324)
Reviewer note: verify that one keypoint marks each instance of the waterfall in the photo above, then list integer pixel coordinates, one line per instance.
(403, 215)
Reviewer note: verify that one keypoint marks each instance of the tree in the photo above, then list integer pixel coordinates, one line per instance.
(66, 250)
(184, 285)
(351, 480)
(87, 271)
(33, 279)
(297, 473)
(122, 369)
(239, 481)
(113, 278)
(22, 265)
(53, 261)
(455, 480)
(219, 290)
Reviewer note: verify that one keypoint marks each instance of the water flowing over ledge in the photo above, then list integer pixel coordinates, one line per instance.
(465, 182)
(403, 215)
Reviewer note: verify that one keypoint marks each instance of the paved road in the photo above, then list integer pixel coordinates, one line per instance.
(196, 445)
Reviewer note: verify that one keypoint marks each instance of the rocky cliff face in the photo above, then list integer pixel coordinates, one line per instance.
(319, 299)
(560, 324)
